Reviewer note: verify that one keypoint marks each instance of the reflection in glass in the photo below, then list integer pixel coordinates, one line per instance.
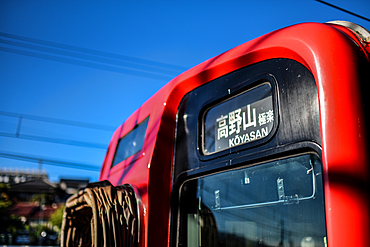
(131, 143)
(278, 203)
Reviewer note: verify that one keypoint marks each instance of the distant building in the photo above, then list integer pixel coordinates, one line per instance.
(15, 176)
(28, 190)
(34, 197)
(26, 184)
(33, 213)
(71, 186)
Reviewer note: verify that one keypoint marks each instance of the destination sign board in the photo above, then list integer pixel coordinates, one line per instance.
(242, 119)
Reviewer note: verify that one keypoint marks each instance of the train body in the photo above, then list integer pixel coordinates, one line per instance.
(263, 145)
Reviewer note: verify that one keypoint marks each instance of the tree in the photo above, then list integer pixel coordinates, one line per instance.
(56, 218)
(5, 204)
(9, 223)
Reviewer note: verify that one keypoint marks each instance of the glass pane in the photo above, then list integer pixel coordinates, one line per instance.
(241, 119)
(131, 143)
(279, 203)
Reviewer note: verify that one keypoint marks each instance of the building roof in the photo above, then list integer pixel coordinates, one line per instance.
(32, 210)
(34, 186)
(25, 209)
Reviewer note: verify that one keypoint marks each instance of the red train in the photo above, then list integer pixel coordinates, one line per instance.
(263, 145)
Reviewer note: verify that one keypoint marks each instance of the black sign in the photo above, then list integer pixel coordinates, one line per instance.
(242, 119)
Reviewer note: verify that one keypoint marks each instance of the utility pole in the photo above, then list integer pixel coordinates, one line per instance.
(19, 126)
(39, 167)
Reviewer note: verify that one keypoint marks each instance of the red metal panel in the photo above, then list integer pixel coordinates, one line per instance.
(333, 57)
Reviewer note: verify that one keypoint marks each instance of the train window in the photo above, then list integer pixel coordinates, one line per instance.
(279, 203)
(244, 118)
(131, 143)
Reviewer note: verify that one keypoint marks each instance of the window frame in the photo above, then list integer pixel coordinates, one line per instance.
(281, 156)
(257, 85)
(241, 87)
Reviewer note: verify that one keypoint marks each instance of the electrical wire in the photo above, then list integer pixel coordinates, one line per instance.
(51, 161)
(94, 58)
(88, 64)
(55, 121)
(94, 52)
(89, 58)
(55, 140)
(59, 121)
(344, 10)
(48, 161)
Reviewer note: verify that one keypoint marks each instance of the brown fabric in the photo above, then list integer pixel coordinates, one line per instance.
(101, 215)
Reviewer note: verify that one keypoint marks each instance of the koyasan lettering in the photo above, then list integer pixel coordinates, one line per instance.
(247, 137)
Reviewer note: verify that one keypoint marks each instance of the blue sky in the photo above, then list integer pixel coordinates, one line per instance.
(68, 64)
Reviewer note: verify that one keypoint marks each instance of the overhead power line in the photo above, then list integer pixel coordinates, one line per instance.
(88, 57)
(104, 60)
(94, 52)
(55, 140)
(344, 10)
(59, 121)
(19, 135)
(88, 64)
(48, 161)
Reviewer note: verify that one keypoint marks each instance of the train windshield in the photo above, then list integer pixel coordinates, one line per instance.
(279, 203)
